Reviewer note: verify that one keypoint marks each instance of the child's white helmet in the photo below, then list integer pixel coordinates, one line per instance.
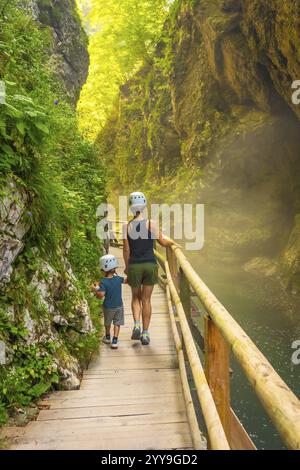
(137, 202)
(108, 262)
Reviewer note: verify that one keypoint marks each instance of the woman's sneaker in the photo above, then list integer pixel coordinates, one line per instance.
(106, 339)
(114, 343)
(136, 333)
(145, 339)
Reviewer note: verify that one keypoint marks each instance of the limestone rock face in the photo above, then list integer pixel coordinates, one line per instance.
(238, 60)
(272, 33)
(69, 57)
(213, 119)
(50, 306)
(14, 223)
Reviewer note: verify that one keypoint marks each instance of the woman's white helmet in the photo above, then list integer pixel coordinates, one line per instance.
(108, 262)
(137, 202)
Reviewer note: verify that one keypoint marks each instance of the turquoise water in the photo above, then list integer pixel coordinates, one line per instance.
(259, 309)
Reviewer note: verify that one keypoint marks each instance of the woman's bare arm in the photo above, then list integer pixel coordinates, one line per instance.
(126, 248)
(162, 240)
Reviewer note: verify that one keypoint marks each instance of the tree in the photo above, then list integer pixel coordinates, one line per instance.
(123, 36)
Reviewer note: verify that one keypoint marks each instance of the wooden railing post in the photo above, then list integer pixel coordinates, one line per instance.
(217, 371)
(185, 293)
(172, 261)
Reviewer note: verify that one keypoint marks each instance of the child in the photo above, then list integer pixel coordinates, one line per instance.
(110, 288)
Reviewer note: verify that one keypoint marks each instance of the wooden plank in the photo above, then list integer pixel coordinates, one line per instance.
(101, 426)
(217, 372)
(155, 330)
(123, 387)
(129, 380)
(73, 402)
(166, 361)
(131, 374)
(116, 410)
(94, 424)
(145, 437)
(240, 439)
(138, 352)
(161, 315)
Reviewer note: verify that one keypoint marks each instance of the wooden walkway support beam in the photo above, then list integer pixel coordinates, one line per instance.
(217, 372)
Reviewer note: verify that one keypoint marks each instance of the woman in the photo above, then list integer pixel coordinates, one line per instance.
(141, 266)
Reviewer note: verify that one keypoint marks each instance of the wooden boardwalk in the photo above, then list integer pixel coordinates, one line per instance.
(130, 398)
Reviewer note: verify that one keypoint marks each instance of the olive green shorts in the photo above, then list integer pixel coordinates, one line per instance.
(142, 274)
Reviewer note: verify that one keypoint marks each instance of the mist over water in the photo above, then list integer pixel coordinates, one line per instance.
(258, 307)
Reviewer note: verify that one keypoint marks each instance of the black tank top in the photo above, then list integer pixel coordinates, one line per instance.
(140, 242)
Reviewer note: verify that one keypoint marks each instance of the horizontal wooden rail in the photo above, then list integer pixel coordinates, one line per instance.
(279, 401)
(214, 426)
(198, 442)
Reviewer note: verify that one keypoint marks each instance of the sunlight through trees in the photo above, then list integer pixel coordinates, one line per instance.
(123, 36)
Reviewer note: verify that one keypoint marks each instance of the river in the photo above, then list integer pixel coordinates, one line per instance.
(255, 307)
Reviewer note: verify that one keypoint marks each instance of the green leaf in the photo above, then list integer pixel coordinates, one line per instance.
(7, 149)
(39, 389)
(12, 111)
(24, 99)
(21, 127)
(42, 127)
(7, 82)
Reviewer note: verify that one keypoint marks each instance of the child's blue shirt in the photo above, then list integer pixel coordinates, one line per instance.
(113, 291)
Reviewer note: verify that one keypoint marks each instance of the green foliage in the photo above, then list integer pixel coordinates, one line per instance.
(166, 121)
(43, 150)
(123, 36)
(40, 142)
(22, 129)
(30, 370)
(33, 373)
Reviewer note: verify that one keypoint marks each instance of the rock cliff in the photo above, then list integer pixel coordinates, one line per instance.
(45, 319)
(213, 119)
(69, 56)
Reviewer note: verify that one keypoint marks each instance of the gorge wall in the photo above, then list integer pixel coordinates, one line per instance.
(47, 332)
(212, 121)
(69, 55)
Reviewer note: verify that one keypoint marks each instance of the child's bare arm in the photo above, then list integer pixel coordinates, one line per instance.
(98, 293)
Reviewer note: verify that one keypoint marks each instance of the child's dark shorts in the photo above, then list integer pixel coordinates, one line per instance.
(114, 315)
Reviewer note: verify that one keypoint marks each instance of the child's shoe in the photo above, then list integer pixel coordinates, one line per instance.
(114, 343)
(106, 339)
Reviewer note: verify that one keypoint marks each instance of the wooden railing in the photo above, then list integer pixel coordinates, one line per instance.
(222, 334)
